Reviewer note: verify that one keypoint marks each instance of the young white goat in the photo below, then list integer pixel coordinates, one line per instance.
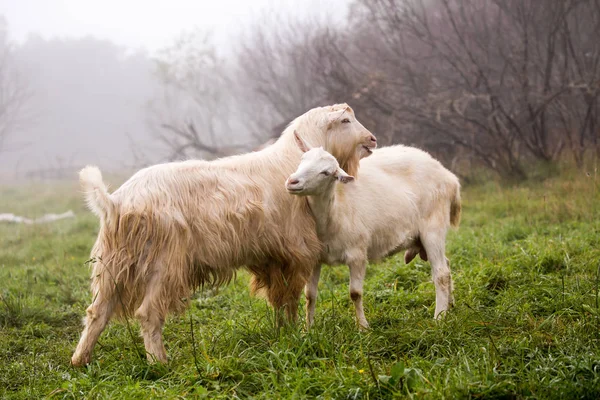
(405, 200)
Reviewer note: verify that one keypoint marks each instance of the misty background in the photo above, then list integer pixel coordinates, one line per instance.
(503, 85)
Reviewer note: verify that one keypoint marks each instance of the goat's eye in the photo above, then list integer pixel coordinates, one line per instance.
(345, 121)
(326, 173)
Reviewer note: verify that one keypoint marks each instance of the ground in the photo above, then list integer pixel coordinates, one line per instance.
(525, 264)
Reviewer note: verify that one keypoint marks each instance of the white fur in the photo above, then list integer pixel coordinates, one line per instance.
(97, 197)
(404, 198)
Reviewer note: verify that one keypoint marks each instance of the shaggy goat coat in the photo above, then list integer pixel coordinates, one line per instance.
(174, 227)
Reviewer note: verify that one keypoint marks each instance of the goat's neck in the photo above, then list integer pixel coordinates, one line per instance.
(325, 209)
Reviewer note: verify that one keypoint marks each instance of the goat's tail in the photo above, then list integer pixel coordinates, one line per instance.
(96, 194)
(455, 207)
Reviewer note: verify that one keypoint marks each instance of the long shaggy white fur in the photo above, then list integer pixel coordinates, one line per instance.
(174, 227)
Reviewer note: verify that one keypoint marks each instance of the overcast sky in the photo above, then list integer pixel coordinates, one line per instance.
(148, 24)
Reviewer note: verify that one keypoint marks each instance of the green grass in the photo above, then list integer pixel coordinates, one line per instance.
(525, 264)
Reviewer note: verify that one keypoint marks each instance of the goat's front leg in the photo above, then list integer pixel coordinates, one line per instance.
(310, 291)
(358, 269)
(283, 286)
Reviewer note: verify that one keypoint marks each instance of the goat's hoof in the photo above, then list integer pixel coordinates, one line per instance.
(79, 361)
(157, 359)
(363, 326)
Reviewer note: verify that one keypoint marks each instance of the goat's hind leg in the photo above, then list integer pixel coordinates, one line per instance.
(434, 243)
(152, 314)
(358, 269)
(97, 316)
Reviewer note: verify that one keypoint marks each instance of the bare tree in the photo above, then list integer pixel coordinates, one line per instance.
(282, 64)
(496, 78)
(14, 93)
(496, 83)
(196, 114)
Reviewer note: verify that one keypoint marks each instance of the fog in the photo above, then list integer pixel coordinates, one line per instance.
(87, 98)
(93, 86)
(505, 86)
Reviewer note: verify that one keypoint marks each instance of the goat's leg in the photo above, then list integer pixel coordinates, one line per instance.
(435, 246)
(285, 284)
(310, 291)
(151, 315)
(152, 322)
(358, 269)
(97, 317)
(295, 281)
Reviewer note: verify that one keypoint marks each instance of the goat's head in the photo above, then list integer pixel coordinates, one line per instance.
(338, 132)
(317, 172)
(344, 131)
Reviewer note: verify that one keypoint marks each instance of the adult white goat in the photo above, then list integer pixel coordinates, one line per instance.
(174, 227)
(405, 199)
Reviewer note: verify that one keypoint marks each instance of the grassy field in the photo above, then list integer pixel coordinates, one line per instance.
(525, 263)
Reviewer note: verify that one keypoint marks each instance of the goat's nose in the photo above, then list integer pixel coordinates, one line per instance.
(293, 181)
(373, 139)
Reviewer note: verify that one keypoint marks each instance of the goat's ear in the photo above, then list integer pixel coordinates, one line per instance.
(301, 143)
(335, 115)
(342, 176)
